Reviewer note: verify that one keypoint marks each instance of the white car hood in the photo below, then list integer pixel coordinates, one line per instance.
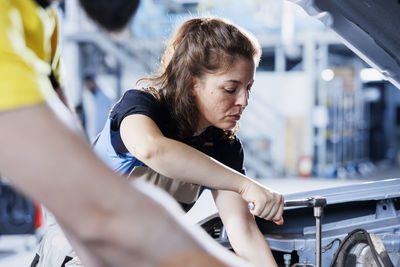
(371, 28)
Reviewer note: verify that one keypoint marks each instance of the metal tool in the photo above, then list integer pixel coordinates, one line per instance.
(318, 203)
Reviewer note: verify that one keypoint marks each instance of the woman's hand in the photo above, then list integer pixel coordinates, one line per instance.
(268, 204)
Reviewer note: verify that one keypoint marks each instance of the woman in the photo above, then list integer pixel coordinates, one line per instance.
(183, 127)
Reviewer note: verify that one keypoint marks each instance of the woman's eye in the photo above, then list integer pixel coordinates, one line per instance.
(230, 90)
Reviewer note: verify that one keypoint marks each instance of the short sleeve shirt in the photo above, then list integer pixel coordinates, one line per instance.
(211, 142)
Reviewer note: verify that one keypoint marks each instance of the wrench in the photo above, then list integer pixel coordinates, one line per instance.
(318, 203)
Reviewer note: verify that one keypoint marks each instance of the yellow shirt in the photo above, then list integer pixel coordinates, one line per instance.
(29, 52)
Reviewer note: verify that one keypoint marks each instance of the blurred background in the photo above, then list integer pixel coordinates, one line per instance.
(318, 115)
(316, 109)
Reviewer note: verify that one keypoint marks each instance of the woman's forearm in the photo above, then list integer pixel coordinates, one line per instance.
(180, 161)
(252, 246)
(243, 232)
(174, 159)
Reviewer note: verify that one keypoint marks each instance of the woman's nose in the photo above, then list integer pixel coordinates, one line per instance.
(243, 98)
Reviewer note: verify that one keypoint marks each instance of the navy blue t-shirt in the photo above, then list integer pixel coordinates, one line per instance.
(211, 141)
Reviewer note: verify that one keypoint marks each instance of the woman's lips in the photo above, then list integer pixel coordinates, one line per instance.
(235, 117)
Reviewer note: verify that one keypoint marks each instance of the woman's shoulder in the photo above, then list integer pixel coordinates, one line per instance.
(140, 94)
(135, 101)
(136, 97)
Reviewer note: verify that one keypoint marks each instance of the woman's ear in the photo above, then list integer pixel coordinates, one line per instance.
(195, 86)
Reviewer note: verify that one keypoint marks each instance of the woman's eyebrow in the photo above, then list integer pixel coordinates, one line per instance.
(238, 82)
(233, 81)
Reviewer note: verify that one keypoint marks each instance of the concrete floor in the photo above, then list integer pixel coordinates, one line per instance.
(19, 250)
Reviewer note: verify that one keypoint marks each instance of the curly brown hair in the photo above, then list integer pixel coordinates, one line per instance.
(201, 45)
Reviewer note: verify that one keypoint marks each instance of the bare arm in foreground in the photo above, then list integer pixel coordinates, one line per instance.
(113, 223)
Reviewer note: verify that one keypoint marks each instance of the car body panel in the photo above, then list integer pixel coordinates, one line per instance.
(373, 206)
(370, 28)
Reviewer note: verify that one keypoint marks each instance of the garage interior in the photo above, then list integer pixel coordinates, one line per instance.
(319, 115)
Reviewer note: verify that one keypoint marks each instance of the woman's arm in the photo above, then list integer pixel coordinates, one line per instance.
(243, 232)
(144, 140)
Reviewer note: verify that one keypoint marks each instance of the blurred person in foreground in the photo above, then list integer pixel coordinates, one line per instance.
(178, 132)
(108, 222)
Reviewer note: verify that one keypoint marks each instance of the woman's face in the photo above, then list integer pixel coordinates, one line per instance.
(221, 98)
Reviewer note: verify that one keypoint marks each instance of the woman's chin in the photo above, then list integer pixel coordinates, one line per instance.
(227, 126)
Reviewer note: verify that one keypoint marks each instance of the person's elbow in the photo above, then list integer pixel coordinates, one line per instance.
(149, 150)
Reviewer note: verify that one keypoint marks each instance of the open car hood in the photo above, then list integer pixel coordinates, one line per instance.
(370, 28)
